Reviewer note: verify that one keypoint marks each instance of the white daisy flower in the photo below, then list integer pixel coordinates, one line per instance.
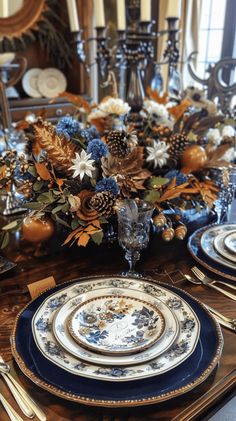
(214, 136)
(228, 131)
(159, 110)
(83, 165)
(114, 106)
(158, 153)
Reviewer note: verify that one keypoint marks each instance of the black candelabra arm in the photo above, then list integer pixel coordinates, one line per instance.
(171, 53)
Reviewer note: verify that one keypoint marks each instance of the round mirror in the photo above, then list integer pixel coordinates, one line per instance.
(19, 18)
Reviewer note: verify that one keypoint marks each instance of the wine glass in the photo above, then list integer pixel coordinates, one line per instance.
(133, 230)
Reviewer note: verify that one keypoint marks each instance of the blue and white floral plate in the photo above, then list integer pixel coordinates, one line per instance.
(207, 243)
(195, 249)
(219, 244)
(116, 324)
(176, 382)
(230, 242)
(62, 335)
(184, 346)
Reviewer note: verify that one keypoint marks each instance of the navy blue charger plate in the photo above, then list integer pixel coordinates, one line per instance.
(194, 246)
(179, 380)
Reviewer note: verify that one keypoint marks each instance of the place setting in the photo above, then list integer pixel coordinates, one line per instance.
(214, 248)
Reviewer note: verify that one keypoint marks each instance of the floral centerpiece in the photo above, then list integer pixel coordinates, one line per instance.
(75, 174)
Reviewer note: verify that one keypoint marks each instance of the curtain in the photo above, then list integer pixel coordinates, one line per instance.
(188, 36)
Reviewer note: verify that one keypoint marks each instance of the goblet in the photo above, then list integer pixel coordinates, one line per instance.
(133, 230)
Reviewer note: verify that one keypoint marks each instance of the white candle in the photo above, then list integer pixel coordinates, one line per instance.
(73, 15)
(121, 21)
(99, 13)
(174, 8)
(4, 12)
(145, 15)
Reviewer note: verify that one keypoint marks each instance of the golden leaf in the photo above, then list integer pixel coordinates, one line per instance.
(83, 240)
(178, 110)
(42, 171)
(71, 236)
(128, 172)
(60, 182)
(155, 96)
(60, 151)
(76, 100)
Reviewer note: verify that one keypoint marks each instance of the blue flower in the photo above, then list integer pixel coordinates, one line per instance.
(107, 184)
(180, 177)
(97, 148)
(89, 134)
(68, 126)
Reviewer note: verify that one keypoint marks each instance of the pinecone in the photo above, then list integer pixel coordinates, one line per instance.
(117, 143)
(178, 143)
(103, 203)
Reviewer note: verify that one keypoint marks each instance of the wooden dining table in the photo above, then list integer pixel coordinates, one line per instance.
(164, 262)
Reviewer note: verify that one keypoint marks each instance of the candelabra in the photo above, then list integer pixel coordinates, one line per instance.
(171, 56)
(131, 57)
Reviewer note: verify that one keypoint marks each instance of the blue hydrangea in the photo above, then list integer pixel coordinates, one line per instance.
(180, 177)
(97, 148)
(89, 134)
(68, 126)
(107, 184)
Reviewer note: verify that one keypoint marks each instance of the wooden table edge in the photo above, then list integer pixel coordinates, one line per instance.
(208, 399)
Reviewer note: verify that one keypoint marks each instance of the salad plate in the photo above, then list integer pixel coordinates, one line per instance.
(189, 329)
(51, 82)
(219, 244)
(194, 247)
(207, 244)
(30, 82)
(119, 324)
(62, 335)
(178, 381)
(230, 242)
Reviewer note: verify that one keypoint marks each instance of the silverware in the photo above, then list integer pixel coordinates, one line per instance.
(27, 411)
(204, 281)
(221, 316)
(4, 367)
(10, 411)
(212, 281)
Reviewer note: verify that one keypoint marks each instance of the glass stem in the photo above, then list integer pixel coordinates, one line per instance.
(132, 257)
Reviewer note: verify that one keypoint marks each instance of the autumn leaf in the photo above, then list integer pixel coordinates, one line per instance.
(71, 236)
(42, 171)
(156, 97)
(76, 100)
(178, 110)
(60, 182)
(83, 239)
(36, 148)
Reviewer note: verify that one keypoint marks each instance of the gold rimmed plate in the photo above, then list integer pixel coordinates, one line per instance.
(176, 382)
(116, 325)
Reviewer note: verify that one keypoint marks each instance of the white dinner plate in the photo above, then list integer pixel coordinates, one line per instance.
(180, 350)
(219, 244)
(30, 82)
(51, 82)
(230, 242)
(67, 342)
(207, 243)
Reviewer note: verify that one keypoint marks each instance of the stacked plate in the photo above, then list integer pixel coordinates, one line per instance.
(215, 248)
(116, 341)
(49, 82)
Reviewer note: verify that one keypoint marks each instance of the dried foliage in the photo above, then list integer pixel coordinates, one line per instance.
(60, 152)
(128, 172)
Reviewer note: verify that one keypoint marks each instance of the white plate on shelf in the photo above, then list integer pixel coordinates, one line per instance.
(30, 82)
(64, 338)
(51, 82)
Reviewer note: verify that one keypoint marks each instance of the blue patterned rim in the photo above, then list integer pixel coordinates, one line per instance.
(180, 380)
(194, 247)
